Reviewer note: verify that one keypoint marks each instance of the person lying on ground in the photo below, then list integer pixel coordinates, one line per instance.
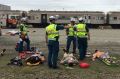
(105, 57)
(68, 59)
(36, 59)
(99, 54)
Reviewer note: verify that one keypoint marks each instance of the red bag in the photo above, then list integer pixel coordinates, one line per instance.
(84, 65)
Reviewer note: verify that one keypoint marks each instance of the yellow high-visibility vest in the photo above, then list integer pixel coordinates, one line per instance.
(52, 32)
(71, 31)
(81, 30)
(23, 28)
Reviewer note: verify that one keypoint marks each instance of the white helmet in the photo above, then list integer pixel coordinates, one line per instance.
(24, 19)
(81, 19)
(72, 19)
(52, 18)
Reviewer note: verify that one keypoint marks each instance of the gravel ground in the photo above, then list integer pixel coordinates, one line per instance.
(105, 40)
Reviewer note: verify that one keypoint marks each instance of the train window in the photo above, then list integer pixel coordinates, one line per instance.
(59, 18)
(89, 17)
(63, 17)
(37, 17)
(102, 18)
(75, 17)
(85, 17)
(99, 18)
(29, 17)
(115, 18)
(12, 17)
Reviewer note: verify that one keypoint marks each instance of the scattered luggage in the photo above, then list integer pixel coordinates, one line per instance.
(2, 52)
(16, 61)
(35, 59)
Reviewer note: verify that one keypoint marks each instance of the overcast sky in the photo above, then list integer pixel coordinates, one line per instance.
(75, 5)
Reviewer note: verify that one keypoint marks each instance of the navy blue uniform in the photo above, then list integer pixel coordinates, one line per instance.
(82, 45)
(69, 40)
(53, 47)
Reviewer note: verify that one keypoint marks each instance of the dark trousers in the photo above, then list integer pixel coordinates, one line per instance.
(0, 31)
(21, 48)
(53, 47)
(82, 47)
(69, 40)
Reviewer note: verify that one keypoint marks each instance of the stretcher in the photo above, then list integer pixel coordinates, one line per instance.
(112, 61)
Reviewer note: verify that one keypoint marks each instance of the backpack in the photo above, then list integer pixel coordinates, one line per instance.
(33, 59)
(16, 61)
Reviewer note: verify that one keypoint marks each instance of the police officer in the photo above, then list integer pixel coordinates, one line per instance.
(82, 37)
(23, 35)
(71, 36)
(52, 36)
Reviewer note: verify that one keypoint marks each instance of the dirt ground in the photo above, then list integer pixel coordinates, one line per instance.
(104, 40)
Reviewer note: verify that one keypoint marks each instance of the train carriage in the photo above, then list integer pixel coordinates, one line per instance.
(42, 17)
(113, 19)
(10, 18)
(39, 18)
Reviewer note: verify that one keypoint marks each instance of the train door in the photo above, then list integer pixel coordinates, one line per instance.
(43, 20)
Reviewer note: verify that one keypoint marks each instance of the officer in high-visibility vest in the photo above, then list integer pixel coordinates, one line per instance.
(83, 35)
(52, 37)
(71, 36)
(24, 35)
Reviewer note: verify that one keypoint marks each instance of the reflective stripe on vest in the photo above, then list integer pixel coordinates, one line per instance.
(52, 32)
(81, 30)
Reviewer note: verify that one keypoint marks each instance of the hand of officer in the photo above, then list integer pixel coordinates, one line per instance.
(66, 26)
(88, 38)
